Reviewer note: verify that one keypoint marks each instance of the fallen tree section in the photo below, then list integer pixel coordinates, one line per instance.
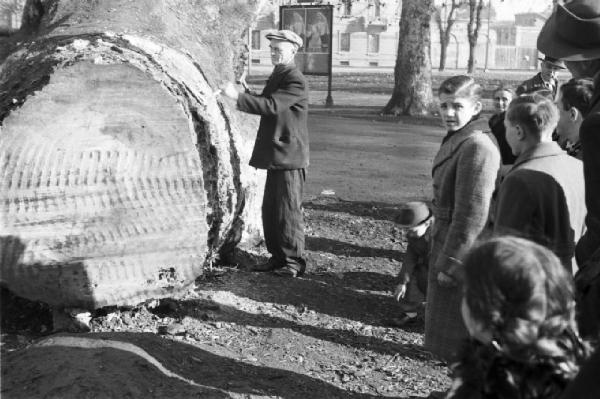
(121, 175)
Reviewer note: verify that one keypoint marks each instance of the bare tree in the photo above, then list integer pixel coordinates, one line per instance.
(445, 23)
(475, 7)
(412, 87)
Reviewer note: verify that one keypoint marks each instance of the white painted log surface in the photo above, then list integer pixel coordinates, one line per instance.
(121, 176)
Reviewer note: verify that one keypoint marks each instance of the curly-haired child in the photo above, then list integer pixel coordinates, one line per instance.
(519, 310)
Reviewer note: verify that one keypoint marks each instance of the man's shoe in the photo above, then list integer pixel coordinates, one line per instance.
(268, 266)
(288, 271)
(404, 320)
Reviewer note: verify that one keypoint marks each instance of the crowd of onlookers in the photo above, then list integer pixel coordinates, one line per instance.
(508, 255)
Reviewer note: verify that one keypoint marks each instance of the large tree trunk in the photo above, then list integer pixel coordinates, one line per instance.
(121, 174)
(475, 7)
(412, 87)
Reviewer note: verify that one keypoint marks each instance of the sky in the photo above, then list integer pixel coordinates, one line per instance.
(506, 9)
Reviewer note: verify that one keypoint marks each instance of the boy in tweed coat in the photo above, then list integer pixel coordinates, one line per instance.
(464, 176)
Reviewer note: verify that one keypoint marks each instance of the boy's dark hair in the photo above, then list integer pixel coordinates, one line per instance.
(534, 113)
(577, 93)
(461, 86)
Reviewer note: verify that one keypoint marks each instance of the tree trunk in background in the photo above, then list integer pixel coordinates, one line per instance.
(448, 20)
(412, 87)
(475, 7)
(121, 174)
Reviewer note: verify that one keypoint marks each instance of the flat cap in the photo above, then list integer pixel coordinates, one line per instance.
(285, 35)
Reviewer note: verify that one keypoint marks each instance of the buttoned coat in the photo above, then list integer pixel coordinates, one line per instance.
(464, 176)
(282, 138)
(542, 198)
(589, 136)
(536, 83)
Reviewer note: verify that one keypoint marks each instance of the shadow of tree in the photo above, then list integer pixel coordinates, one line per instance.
(374, 210)
(349, 338)
(336, 247)
(325, 294)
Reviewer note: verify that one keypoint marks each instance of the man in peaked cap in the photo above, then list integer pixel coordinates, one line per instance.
(281, 148)
(572, 33)
(545, 82)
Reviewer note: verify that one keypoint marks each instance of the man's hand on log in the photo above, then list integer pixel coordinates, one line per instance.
(229, 90)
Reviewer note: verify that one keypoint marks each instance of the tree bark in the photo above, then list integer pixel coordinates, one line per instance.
(121, 174)
(412, 84)
(475, 7)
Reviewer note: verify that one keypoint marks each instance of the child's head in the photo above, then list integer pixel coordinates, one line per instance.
(460, 101)
(573, 102)
(530, 119)
(416, 216)
(516, 293)
(502, 96)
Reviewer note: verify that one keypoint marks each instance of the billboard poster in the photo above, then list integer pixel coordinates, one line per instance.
(314, 25)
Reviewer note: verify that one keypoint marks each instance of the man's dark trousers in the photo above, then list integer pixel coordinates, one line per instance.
(282, 216)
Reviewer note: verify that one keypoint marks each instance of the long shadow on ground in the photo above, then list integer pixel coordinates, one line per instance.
(336, 247)
(325, 294)
(216, 372)
(373, 210)
(349, 338)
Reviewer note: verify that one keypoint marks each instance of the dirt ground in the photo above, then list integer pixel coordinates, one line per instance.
(243, 334)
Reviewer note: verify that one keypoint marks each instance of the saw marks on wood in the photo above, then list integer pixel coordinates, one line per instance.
(103, 185)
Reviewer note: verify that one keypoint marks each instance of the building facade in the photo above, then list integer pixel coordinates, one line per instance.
(366, 34)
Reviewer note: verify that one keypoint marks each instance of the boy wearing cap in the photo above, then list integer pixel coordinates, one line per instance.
(545, 82)
(281, 147)
(418, 218)
(572, 33)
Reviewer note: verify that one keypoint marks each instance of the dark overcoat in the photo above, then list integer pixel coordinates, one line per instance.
(464, 176)
(537, 84)
(542, 198)
(589, 136)
(282, 138)
(588, 247)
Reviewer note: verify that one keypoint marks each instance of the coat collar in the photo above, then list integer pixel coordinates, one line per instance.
(452, 144)
(542, 150)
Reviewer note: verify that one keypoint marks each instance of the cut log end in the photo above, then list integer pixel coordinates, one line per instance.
(113, 189)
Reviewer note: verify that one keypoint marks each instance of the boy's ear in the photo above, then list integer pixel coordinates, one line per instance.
(573, 114)
(478, 107)
(521, 134)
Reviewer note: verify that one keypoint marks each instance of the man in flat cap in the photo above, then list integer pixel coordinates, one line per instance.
(572, 33)
(281, 148)
(544, 82)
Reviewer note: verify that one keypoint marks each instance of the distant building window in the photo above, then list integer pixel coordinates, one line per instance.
(373, 63)
(345, 63)
(347, 4)
(255, 61)
(373, 46)
(377, 7)
(255, 40)
(345, 42)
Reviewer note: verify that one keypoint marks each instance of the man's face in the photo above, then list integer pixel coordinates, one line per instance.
(549, 71)
(282, 52)
(567, 128)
